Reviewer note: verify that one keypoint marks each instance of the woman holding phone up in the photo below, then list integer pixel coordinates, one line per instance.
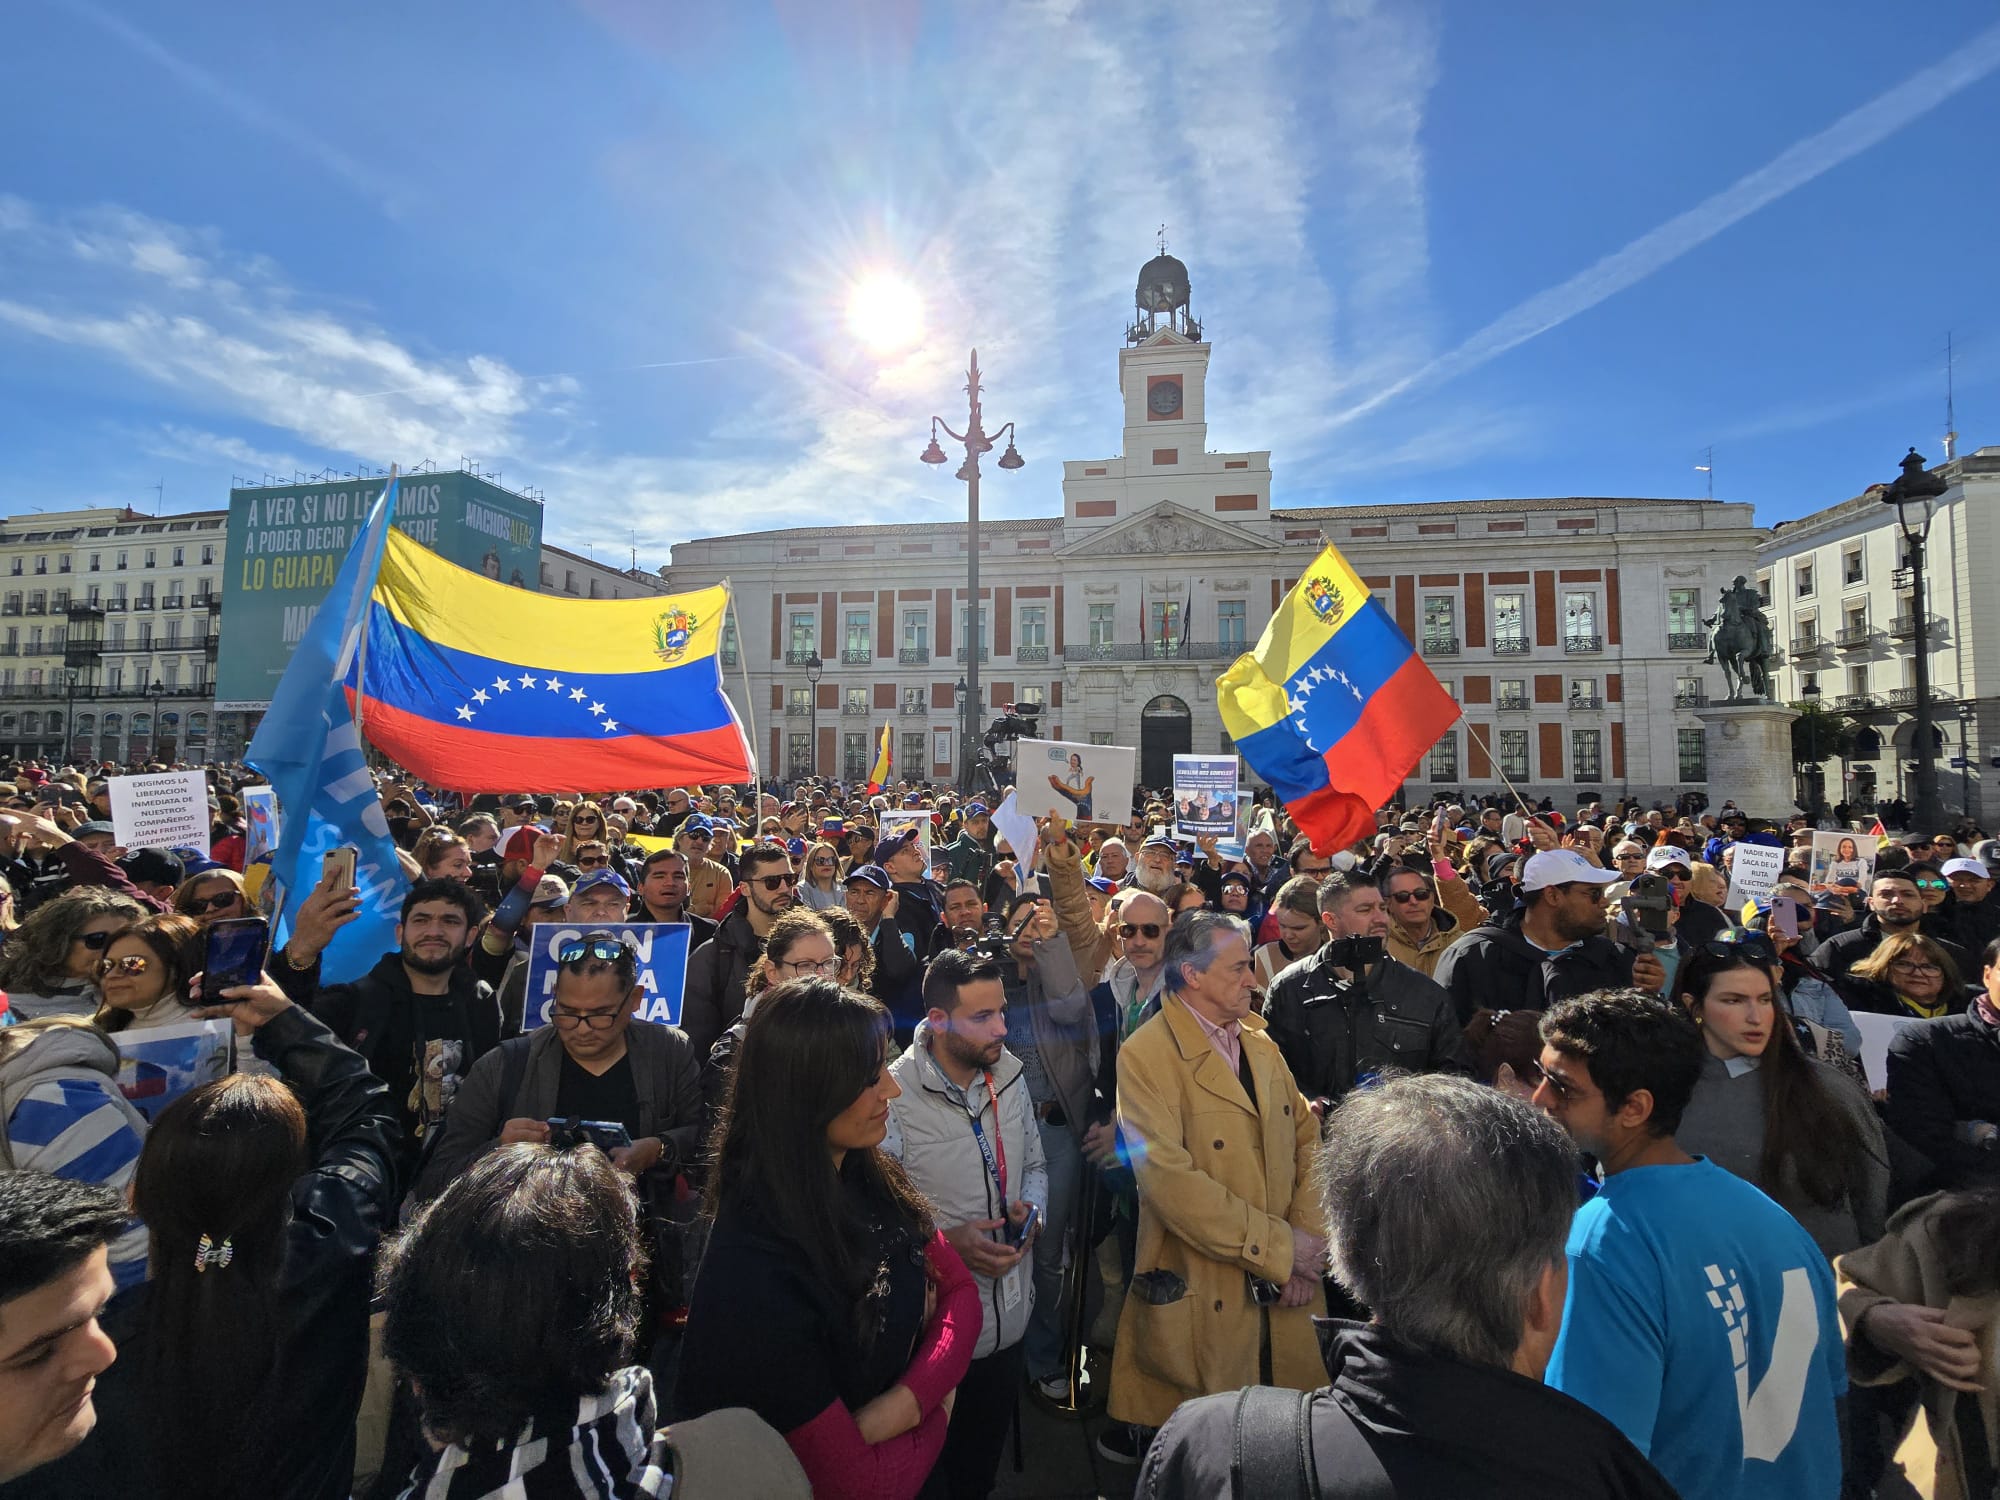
(827, 1301)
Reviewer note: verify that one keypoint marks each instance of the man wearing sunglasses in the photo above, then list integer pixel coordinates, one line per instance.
(595, 1060)
(1550, 946)
(1895, 905)
(719, 969)
(708, 879)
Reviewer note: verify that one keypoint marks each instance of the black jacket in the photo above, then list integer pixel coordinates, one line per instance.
(1493, 967)
(1437, 1427)
(340, 1208)
(1844, 950)
(1942, 1074)
(718, 974)
(1333, 1032)
(388, 1023)
(898, 979)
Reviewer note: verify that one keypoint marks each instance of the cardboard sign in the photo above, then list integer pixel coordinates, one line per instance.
(662, 949)
(1753, 870)
(159, 1064)
(1206, 796)
(1844, 861)
(165, 810)
(1080, 783)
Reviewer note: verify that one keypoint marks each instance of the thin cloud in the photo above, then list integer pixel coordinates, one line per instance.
(1841, 141)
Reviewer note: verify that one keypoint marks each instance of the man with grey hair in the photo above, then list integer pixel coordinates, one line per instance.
(1230, 1240)
(1449, 1207)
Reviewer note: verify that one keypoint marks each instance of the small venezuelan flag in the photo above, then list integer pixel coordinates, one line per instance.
(480, 687)
(1334, 707)
(879, 777)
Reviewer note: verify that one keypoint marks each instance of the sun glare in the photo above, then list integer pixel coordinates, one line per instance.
(885, 313)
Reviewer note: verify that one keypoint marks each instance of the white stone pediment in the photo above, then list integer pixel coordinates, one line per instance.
(1167, 530)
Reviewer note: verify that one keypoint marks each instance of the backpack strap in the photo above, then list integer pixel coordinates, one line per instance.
(513, 1071)
(1271, 1455)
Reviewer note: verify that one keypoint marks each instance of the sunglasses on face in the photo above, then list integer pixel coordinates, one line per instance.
(130, 964)
(1933, 885)
(1751, 945)
(1566, 1092)
(1148, 930)
(1403, 898)
(776, 882)
(96, 942)
(591, 862)
(609, 950)
(697, 838)
(221, 901)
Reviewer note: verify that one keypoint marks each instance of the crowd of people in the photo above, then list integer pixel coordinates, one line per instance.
(1505, 1152)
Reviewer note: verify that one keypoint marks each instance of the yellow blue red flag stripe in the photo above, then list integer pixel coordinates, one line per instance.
(1334, 707)
(479, 686)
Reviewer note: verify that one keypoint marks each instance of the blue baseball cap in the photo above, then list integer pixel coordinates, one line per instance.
(697, 824)
(873, 875)
(1161, 841)
(976, 810)
(1099, 883)
(590, 880)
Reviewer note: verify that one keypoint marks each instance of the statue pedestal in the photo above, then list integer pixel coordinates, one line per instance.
(1750, 757)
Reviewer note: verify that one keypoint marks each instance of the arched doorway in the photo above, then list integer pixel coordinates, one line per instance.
(1166, 729)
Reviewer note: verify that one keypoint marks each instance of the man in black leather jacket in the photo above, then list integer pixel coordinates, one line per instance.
(1336, 1026)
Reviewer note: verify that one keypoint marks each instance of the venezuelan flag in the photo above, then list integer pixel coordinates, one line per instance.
(481, 687)
(1334, 707)
(879, 777)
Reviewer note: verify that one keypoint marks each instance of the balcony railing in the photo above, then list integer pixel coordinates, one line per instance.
(173, 601)
(1902, 697)
(1446, 775)
(82, 653)
(1810, 645)
(1851, 636)
(9, 649)
(114, 606)
(1690, 697)
(1856, 703)
(1441, 645)
(1155, 651)
(206, 601)
(1686, 640)
(1026, 654)
(1513, 705)
(35, 608)
(729, 656)
(914, 710)
(961, 653)
(856, 656)
(854, 710)
(10, 609)
(86, 611)
(913, 656)
(798, 710)
(1577, 645)
(1585, 701)
(799, 658)
(1905, 626)
(1510, 645)
(142, 603)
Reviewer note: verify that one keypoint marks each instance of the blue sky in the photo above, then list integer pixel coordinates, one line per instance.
(1443, 251)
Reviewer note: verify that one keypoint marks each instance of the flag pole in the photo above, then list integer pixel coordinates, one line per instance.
(743, 666)
(361, 656)
(1494, 761)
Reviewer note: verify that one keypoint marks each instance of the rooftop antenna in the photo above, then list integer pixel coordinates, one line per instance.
(1950, 417)
(1163, 239)
(160, 495)
(1707, 467)
(635, 551)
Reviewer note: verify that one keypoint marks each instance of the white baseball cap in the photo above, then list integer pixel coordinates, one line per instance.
(1563, 867)
(1966, 867)
(1668, 854)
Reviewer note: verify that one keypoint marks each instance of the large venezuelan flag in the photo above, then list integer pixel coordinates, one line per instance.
(1334, 707)
(478, 686)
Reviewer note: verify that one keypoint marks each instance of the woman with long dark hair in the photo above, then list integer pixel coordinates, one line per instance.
(49, 966)
(827, 1302)
(1800, 1129)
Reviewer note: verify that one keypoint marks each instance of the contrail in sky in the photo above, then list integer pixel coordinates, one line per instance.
(1850, 135)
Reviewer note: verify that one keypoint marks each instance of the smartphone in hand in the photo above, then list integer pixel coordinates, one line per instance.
(336, 868)
(1017, 1234)
(235, 956)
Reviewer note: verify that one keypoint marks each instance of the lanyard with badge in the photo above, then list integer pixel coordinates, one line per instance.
(995, 1154)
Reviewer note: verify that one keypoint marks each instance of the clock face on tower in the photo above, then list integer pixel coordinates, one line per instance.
(1164, 398)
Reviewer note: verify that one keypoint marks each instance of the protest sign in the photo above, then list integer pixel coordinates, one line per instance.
(1843, 860)
(1011, 824)
(1877, 1032)
(1753, 870)
(165, 810)
(160, 1063)
(1083, 783)
(896, 822)
(1205, 796)
(662, 950)
(261, 825)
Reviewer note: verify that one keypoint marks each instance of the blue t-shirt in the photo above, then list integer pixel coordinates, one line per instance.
(1701, 1320)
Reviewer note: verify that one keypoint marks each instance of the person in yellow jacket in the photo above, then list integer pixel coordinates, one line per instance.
(1427, 914)
(1231, 1242)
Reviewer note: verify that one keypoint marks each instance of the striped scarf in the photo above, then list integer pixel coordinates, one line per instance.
(613, 1451)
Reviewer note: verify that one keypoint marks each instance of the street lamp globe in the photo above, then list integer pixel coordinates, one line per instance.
(814, 667)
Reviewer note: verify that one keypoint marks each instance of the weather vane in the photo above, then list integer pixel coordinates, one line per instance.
(1163, 239)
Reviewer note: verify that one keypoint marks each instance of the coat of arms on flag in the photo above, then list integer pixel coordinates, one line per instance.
(672, 632)
(1324, 598)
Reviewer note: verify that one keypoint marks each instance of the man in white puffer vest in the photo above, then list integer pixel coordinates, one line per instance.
(965, 1131)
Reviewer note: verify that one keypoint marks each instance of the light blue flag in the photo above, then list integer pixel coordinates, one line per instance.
(309, 748)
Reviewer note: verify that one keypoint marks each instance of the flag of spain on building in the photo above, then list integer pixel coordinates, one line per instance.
(1334, 706)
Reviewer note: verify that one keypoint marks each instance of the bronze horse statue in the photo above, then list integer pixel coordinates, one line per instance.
(1741, 644)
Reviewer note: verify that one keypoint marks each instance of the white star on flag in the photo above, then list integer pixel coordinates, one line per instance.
(610, 724)
(499, 684)
(465, 712)
(480, 695)
(527, 679)
(597, 708)
(577, 695)
(555, 684)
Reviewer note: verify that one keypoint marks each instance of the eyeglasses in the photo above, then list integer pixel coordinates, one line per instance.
(824, 859)
(1941, 842)
(594, 1020)
(96, 942)
(1148, 930)
(776, 882)
(591, 862)
(1403, 898)
(824, 968)
(131, 963)
(1751, 945)
(221, 901)
(1933, 885)
(1625, 859)
(1914, 966)
(610, 950)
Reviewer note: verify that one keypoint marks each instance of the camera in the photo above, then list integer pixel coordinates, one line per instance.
(1355, 954)
(996, 942)
(1648, 901)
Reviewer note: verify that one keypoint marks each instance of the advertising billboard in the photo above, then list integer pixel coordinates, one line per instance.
(285, 543)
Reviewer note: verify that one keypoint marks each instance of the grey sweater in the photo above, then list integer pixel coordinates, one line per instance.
(1725, 1123)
